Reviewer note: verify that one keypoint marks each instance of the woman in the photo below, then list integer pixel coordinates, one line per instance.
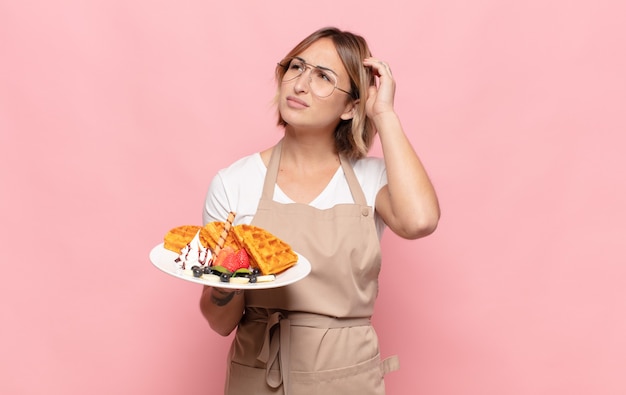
(317, 190)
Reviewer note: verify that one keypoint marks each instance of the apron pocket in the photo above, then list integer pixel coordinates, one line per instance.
(365, 378)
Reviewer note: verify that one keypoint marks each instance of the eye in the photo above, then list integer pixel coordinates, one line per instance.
(324, 76)
(296, 65)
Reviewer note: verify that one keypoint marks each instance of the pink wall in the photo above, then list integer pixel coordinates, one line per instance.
(114, 115)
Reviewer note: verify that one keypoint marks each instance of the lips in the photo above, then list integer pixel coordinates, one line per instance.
(295, 102)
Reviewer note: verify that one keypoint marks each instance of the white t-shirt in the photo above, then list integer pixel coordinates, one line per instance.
(238, 188)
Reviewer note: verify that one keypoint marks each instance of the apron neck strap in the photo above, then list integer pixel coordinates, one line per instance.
(272, 174)
(355, 188)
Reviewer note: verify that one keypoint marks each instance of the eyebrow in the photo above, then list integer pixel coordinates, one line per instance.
(318, 66)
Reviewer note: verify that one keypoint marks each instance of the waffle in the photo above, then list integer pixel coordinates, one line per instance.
(210, 237)
(177, 238)
(267, 252)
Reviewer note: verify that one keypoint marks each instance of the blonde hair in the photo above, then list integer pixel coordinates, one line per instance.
(353, 137)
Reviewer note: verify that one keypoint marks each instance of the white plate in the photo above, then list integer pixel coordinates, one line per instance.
(164, 260)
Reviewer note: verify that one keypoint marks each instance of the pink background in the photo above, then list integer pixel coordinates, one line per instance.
(114, 116)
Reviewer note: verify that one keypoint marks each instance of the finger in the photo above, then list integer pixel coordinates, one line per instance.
(378, 65)
(386, 67)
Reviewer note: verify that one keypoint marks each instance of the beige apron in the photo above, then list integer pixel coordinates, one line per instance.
(314, 336)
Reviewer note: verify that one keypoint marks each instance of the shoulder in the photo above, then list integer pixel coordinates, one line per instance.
(240, 177)
(370, 171)
(241, 172)
(235, 188)
(369, 164)
(243, 166)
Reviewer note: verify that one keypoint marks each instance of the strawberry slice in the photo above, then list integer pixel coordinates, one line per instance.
(242, 260)
(226, 259)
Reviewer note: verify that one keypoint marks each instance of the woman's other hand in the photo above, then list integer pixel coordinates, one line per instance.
(381, 95)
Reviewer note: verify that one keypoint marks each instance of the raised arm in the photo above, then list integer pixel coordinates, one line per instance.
(408, 203)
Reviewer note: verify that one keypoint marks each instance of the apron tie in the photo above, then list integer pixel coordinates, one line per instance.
(274, 352)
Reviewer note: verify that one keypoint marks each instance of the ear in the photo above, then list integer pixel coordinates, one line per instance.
(349, 110)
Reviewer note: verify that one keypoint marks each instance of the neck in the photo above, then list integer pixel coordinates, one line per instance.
(307, 148)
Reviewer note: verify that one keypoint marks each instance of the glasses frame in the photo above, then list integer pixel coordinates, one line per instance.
(311, 66)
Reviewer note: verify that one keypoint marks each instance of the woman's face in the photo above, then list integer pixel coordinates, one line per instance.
(300, 107)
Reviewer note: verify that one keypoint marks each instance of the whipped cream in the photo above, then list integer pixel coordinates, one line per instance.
(193, 254)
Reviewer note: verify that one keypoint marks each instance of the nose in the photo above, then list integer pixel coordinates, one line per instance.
(303, 82)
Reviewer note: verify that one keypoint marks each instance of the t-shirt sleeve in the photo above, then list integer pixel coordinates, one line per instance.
(216, 205)
(372, 175)
(236, 188)
(382, 179)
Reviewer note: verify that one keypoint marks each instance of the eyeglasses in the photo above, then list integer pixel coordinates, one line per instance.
(322, 81)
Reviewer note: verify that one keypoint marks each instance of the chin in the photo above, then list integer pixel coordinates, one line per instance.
(292, 119)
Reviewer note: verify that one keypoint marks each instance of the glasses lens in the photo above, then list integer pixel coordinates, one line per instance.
(322, 82)
(295, 68)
